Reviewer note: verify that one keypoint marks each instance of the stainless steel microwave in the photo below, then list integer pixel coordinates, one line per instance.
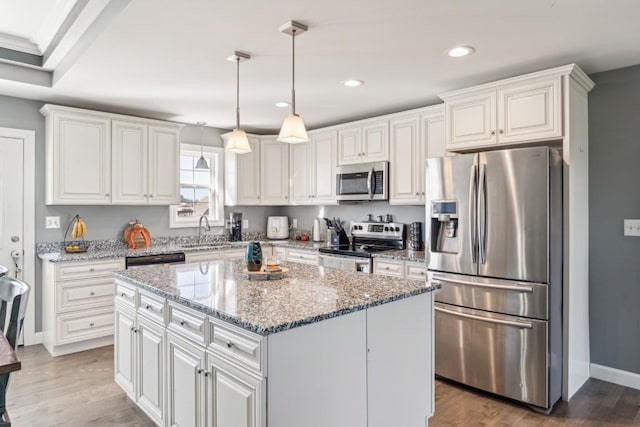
(364, 181)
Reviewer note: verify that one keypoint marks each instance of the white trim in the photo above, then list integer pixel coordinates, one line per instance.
(28, 238)
(21, 44)
(615, 376)
(216, 220)
(38, 338)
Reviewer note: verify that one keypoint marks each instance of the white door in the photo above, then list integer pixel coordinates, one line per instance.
(184, 383)
(300, 171)
(323, 188)
(471, 120)
(11, 215)
(164, 165)
(129, 158)
(125, 345)
(151, 368)
(405, 156)
(349, 147)
(248, 175)
(274, 167)
(375, 141)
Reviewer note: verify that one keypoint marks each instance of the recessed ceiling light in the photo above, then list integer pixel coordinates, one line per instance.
(460, 51)
(353, 83)
(282, 104)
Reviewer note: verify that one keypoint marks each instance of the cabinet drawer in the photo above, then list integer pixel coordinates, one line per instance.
(186, 322)
(205, 256)
(72, 327)
(304, 257)
(238, 345)
(74, 295)
(126, 295)
(151, 306)
(87, 270)
(415, 271)
(388, 268)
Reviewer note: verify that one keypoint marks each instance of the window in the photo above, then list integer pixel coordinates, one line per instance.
(201, 191)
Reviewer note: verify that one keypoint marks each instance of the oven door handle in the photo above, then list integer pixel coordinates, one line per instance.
(369, 184)
(522, 325)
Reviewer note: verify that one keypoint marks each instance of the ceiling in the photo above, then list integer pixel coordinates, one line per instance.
(166, 59)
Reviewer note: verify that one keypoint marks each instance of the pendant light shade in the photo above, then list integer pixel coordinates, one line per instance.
(293, 129)
(202, 162)
(238, 142)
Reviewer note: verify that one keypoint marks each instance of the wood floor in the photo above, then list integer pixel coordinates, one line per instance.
(78, 390)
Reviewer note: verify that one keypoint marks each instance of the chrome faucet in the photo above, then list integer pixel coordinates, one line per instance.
(206, 228)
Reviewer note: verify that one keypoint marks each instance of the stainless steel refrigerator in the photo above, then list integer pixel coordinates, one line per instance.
(494, 242)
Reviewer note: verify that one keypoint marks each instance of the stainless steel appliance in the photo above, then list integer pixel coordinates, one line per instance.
(494, 242)
(139, 261)
(363, 181)
(366, 238)
(235, 234)
(278, 227)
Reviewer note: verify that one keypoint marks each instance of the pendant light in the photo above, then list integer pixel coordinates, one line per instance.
(202, 162)
(238, 142)
(293, 130)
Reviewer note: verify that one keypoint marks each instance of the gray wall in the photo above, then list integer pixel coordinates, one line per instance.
(614, 179)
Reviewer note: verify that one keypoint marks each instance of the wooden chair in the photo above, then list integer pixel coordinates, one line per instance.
(14, 295)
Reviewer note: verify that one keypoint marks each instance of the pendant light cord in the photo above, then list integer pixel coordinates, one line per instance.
(238, 92)
(293, 72)
(201, 138)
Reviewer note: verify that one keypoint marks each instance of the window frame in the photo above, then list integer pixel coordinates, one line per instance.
(216, 195)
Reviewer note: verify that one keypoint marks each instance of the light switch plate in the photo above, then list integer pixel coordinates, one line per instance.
(245, 223)
(632, 227)
(294, 223)
(52, 222)
(227, 223)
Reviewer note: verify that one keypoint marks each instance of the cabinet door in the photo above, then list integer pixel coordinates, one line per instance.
(274, 167)
(375, 141)
(235, 397)
(530, 111)
(248, 175)
(79, 160)
(185, 373)
(129, 158)
(151, 366)
(164, 164)
(124, 365)
(432, 144)
(324, 168)
(405, 165)
(300, 169)
(471, 121)
(349, 146)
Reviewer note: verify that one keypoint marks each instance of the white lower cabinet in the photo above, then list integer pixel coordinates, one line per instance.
(236, 398)
(185, 381)
(414, 270)
(303, 256)
(139, 361)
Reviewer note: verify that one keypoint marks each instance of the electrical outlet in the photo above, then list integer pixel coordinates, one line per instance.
(245, 224)
(52, 222)
(632, 227)
(294, 223)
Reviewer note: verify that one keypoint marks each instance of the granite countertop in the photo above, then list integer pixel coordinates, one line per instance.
(307, 294)
(402, 254)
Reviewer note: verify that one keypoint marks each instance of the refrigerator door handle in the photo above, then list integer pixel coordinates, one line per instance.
(482, 214)
(522, 325)
(473, 209)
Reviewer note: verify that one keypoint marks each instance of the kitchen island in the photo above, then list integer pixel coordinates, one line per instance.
(200, 344)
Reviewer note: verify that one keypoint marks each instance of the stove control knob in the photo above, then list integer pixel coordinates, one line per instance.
(386, 229)
(397, 228)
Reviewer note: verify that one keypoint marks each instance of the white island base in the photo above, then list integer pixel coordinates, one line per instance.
(368, 368)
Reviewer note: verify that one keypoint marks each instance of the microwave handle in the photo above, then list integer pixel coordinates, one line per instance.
(369, 186)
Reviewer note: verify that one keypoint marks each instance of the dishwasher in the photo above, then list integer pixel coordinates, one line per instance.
(142, 260)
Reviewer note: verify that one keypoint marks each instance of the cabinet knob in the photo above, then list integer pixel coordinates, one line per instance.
(132, 329)
(91, 324)
(417, 193)
(200, 371)
(123, 295)
(501, 132)
(286, 197)
(145, 195)
(386, 268)
(206, 373)
(148, 307)
(493, 132)
(92, 269)
(182, 322)
(229, 344)
(92, 293)
(150, 195)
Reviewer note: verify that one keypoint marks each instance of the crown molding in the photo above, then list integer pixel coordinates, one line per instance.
(20, 44)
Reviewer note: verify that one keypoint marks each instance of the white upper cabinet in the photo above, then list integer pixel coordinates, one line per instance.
(366, 141)
(260, 177)
(96, 158)
(323, 188)
(164, 164)
(78, 158)
(518, 110)
(413, 138)
(312, 166)
(274, 164)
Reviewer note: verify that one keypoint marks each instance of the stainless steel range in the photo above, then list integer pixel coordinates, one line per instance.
(367, 237)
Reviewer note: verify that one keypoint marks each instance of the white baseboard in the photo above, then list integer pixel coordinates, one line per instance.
(616, 376)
